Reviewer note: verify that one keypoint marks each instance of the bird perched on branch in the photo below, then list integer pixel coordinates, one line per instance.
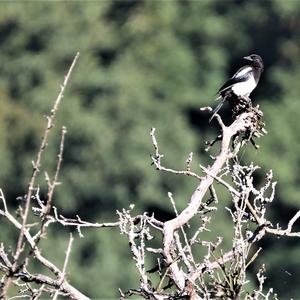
(242, 83)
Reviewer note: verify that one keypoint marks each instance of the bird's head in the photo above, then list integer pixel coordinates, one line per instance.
(255, 60)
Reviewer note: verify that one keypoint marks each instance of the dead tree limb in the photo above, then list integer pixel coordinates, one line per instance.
(243, 123)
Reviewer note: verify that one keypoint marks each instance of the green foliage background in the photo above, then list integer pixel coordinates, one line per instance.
(143, 64)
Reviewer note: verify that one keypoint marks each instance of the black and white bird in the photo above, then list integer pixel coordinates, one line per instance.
(243, 82)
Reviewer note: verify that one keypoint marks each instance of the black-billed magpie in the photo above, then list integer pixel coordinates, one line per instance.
(243, 82)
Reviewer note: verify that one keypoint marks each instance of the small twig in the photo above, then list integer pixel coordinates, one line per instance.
(62, 278)
(189, 162)
(4, 257)
(54, 182)
(79, 223)
(253, 258)
(220, 180)
(187, 245)
(212, 142)
(220, 121)
(3, 201)
(234, 192)
(206, 108)
(213, 194)
(159, 286)
(157, 157)
(292, 221)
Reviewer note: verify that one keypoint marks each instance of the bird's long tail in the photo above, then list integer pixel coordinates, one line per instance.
(215, 111)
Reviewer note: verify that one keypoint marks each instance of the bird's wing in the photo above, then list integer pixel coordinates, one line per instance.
(240, 76)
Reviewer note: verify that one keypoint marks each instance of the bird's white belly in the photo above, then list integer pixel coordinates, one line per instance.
(244, 88)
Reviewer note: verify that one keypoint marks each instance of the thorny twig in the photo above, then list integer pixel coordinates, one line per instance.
(37, 162)
(44, 209)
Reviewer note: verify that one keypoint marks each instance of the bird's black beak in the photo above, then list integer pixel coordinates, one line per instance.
(248, 58)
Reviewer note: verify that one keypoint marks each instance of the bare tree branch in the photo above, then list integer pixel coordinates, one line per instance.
(242, 123)
(37, 162)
